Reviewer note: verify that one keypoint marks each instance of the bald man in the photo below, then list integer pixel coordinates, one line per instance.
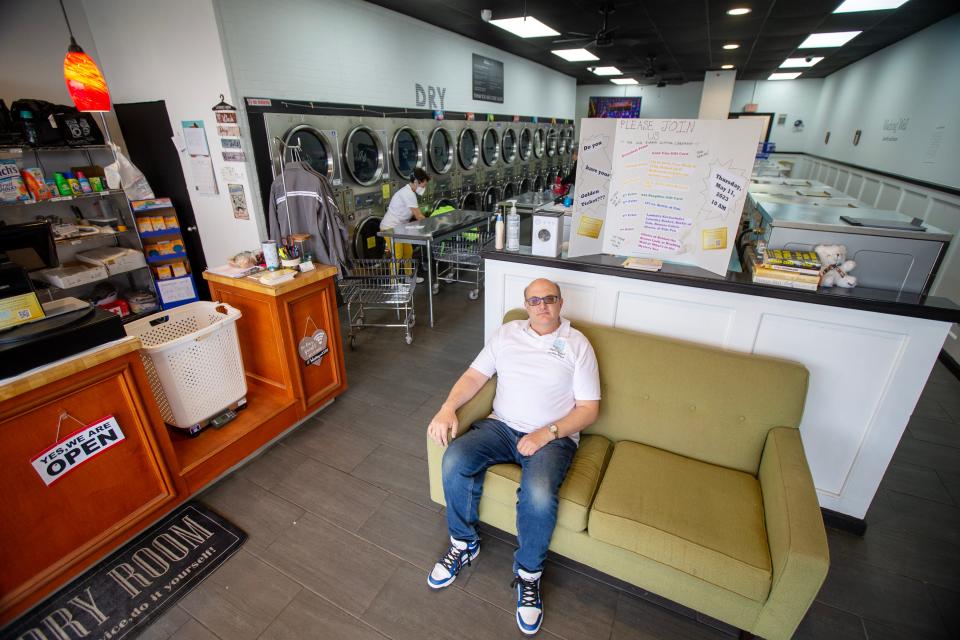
(548, 391)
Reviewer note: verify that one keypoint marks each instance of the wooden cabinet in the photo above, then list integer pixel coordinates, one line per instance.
(49, 533)
(274, 321)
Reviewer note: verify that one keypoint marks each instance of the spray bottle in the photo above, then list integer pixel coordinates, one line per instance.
(498, 242)
(513, 227)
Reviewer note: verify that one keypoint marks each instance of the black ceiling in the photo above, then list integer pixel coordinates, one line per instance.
(685, 36)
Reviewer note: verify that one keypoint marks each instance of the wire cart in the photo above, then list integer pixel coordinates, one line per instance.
(386, 284)
(458, 260)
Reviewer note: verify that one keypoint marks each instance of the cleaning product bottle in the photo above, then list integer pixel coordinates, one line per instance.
(498, 242)
(513, 228)
(62, 185)
(84, 183)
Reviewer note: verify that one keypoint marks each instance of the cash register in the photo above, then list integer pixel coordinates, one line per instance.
(34, 334)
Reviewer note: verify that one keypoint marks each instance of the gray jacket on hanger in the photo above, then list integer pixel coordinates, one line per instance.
(307, 206)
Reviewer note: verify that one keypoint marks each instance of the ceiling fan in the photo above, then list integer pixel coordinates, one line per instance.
(602, 38)
(650, 73)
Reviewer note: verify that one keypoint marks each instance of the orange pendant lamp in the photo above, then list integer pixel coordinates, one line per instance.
(86, 85)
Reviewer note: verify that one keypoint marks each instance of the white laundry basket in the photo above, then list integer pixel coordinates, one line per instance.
(192, 357)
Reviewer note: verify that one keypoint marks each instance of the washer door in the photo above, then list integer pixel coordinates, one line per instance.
(366, 243)
(509, 190)
(440, 150)
(445, 202)
(552, 143)
(315, 149)
(490, 149)
(525, 185)
(508, 146)
(364, 156)
(538, 143)
(407, 152)
(491, 196)
(538, 184)
(470, 201)
(468, 152)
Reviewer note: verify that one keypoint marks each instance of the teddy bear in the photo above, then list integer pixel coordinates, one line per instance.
(835, 268)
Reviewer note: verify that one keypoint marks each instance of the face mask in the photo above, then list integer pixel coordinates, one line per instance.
(421, 190)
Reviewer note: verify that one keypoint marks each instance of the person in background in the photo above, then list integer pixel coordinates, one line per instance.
(548, 390)
(571, 177)
(403, 208)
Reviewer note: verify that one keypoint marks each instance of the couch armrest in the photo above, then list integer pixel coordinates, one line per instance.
(477, 408)
(798, 542)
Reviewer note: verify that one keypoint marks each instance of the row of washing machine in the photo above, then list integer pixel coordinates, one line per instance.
(472, 164)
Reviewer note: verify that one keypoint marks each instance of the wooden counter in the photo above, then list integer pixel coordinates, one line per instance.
(50, 534)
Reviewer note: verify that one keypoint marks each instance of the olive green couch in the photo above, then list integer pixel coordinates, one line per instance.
(692, 484)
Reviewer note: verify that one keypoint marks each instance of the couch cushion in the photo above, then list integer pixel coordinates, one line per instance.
(577, 490)
(696, 517)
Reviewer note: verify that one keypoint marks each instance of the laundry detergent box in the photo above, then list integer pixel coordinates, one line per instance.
(12, 188)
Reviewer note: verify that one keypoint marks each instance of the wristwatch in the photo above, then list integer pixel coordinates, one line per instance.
(553, 429)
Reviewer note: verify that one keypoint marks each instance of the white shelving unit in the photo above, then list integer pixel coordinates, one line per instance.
(91, 205)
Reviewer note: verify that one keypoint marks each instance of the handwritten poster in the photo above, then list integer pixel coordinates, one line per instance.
(667, 189)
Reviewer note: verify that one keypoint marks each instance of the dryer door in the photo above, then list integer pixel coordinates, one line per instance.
(407, 152)
(525, 185)
(315, 149)
(525, 144)
(552, 143)
(509, 191)
(508, 146)
(364, 156)
(490, 149)
(366, 242)
(538, 143)
(468, 151)
(440, 150)
(538, 183)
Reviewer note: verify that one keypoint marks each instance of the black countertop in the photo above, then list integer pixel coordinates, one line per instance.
(912, 305)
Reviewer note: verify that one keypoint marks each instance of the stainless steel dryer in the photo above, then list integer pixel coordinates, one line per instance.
(318, 140)
(408, 150)
(441, 151)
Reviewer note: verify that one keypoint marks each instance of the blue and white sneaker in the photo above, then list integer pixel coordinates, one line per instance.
(459, 554)
(529, 605)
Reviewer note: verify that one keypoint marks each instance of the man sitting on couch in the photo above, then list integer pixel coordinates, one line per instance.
(548, 390)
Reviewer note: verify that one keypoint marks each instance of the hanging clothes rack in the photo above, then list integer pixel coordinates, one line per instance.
(281, 148)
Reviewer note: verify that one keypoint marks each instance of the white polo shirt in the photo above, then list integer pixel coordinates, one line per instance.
(398, 211)
(539, 378)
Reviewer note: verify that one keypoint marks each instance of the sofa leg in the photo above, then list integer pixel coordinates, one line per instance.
(746, 635)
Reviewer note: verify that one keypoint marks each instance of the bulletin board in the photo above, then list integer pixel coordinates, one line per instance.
(667, 189)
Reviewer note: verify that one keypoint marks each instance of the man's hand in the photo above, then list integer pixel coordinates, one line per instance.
(534, 441)
(443, 424)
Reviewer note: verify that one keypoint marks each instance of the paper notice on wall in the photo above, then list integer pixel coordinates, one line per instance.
(204, 181)
(933, 146)
(673, 189)
(195, 137)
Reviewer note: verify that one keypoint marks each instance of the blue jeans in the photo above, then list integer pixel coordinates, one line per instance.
(491, 442)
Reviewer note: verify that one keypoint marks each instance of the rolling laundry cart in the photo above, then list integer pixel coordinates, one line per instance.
(458, 260)
(386, 284)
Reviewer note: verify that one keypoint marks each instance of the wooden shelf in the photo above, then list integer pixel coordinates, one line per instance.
(265, 403)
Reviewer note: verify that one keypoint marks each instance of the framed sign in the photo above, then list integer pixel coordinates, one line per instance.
(487, 79)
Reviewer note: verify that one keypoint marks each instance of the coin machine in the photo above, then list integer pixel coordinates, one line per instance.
(473, 164)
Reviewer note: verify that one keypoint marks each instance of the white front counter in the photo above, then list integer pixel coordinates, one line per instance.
(867, 369)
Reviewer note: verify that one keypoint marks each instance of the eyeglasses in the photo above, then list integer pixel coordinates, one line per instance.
(536, 300)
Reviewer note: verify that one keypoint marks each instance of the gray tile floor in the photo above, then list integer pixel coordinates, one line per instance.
(342, 529)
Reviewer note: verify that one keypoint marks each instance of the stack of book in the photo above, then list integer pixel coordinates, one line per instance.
(783, 268)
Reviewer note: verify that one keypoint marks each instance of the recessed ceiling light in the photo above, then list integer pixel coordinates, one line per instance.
(823, 40)
(740, 11)
(784, 76)
(793, 63)
(726, 66)
(851, 6)
(606, 71)
(731, 45)
(574, 55)
(528, 27)
(623, 81)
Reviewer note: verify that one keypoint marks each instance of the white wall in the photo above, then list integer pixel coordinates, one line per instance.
(171, 51)
(917, 79)
(798, 99)
(356, 52)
